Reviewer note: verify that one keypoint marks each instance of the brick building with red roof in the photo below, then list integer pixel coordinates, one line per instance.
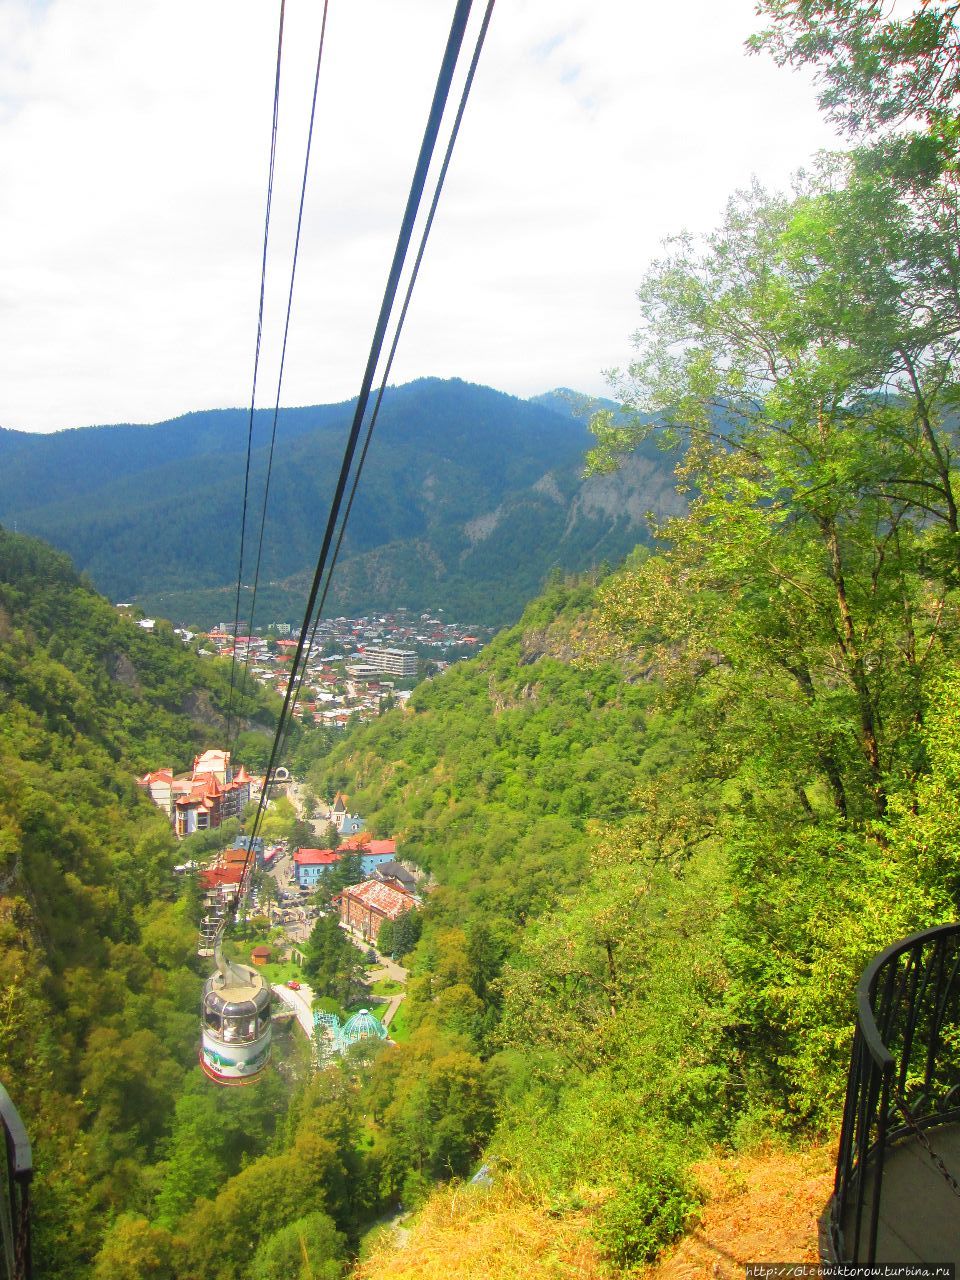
(364, 907)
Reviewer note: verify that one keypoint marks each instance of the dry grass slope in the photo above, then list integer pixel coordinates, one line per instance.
(469, 1233)
(762, 1207)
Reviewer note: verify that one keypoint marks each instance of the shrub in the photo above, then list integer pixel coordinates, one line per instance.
(639, 1220)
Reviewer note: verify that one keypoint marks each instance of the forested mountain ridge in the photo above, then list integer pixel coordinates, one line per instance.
(143, 695)
(469, 498)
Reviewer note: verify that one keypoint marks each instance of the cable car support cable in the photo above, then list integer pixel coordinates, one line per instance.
(468, 84)
(256, 359)
(283, 352)
(220, 1015)
(441, 92)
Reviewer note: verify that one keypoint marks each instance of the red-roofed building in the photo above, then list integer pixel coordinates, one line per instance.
(159, 787)
(372, 852)
(378, 847)
(353, 843)
(197, 804)
(364, 907)
(216, 876)
(203, 799)
(312, 865)
(213, 762)
(236, 795)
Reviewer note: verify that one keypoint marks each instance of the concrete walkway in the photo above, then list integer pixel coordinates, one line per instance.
(300, 1002)
(388, 968)
(393, 1006)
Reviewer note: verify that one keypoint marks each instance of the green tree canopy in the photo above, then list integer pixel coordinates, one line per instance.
(879, 66)
(788, 356)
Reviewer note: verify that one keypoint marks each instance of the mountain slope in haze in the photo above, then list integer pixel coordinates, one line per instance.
(469, 498)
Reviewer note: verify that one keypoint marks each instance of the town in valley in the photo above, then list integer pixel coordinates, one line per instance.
(356, 667)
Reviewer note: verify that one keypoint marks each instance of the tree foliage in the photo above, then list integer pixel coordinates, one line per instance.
(878, 67)
(333, 964)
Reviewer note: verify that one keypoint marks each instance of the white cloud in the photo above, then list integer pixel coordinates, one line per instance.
(134, 137)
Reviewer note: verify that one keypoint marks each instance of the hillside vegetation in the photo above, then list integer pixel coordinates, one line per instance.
(673, 816)
(648, 920)
(97, 967)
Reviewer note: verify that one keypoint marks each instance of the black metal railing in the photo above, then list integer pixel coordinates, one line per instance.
(904, 1079)
(15, 1202)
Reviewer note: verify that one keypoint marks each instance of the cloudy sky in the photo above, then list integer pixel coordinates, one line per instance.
(134, 142)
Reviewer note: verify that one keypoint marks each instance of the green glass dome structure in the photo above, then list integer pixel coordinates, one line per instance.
(362, 1026)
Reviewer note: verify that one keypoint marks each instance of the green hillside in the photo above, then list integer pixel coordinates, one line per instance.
(99, 976)
(650, 914)
(672, 818)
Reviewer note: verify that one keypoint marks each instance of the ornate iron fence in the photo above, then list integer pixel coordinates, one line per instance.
(15, 1203)
(904, 1078)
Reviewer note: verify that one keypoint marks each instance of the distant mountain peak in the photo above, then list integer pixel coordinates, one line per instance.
(572, 404)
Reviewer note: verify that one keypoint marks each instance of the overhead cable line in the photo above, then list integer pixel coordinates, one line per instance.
(427, 147)
(468, 85)
(283, 352)
(256, 361)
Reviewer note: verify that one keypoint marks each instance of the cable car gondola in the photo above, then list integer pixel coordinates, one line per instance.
(235, 1031)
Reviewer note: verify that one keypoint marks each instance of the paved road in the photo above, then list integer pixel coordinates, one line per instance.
(280, 869)
(295, 793)
(295, 796)
(300, 1002)
(388, 968)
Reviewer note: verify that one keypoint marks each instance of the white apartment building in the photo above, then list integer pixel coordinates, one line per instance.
(394, 662)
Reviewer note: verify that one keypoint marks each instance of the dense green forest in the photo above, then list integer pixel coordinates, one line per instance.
(144, 1168)
(458, 477)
